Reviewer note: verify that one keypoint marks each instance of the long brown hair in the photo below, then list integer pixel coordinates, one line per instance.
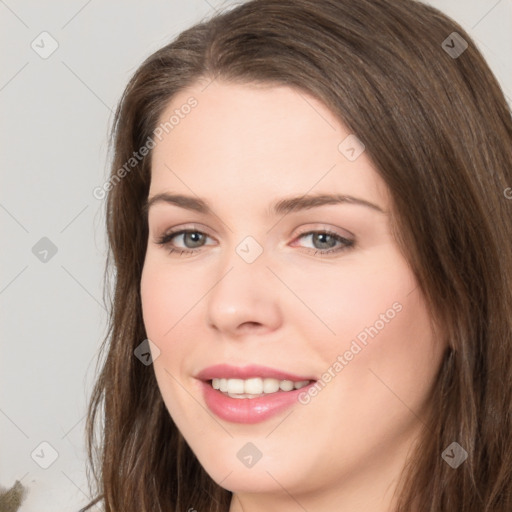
(438, 129)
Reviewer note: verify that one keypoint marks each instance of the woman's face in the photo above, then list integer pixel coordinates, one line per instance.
(267, 276)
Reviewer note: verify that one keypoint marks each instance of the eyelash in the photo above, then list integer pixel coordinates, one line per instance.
(348, 244)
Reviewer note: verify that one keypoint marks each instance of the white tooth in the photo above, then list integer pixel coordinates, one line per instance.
(286, 385)
(245, 395)
(270, 385)
(253, 386)
(223, 385)
(235, 386)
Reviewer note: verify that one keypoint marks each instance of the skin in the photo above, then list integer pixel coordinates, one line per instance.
(242, 148)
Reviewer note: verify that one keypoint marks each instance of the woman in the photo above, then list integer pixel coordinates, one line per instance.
(309, 223)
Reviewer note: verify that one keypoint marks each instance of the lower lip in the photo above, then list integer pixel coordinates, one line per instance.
(249, 410)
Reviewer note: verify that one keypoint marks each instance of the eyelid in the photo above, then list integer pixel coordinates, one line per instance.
(319, 226)
(187, 227)
(302, 230)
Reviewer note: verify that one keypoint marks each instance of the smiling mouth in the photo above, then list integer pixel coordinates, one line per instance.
(251, 394)
(255, 387)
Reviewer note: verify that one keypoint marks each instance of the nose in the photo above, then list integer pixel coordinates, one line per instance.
(244, 298)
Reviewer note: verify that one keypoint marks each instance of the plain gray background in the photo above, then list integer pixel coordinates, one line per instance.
(55, 114)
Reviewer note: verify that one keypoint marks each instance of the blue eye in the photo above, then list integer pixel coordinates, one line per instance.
(324, 242)
(195, 238)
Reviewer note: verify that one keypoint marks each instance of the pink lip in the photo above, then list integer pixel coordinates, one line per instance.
(226, 371)
(248, 410)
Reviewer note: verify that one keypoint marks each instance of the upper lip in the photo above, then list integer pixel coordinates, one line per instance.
(245, 372)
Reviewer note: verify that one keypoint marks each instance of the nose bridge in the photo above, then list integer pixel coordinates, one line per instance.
(242, 294)
(245, 261)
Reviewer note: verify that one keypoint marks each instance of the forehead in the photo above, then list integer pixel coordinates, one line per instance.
(260, 138)
(248, 114)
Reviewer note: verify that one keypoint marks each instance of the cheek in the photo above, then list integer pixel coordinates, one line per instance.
(170, 319)
(161, 310)
(389, 357)
(165, 299)
(359, 300)
(406, 354)
(372, 327)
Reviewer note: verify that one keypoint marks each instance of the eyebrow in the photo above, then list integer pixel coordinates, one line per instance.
(283, 206)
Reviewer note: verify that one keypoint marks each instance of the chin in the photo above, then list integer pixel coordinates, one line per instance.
(226, 466)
